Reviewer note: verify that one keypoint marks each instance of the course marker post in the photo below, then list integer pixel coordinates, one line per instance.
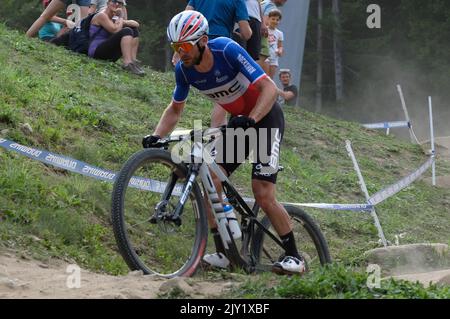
(348, 146)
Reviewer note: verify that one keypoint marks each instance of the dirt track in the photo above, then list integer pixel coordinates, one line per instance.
(25, 278)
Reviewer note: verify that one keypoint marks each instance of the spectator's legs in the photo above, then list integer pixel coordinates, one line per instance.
(253, 45)
(134, 48)
(262, 63)
(62, 40)
(126, 44)
(53, 8)
(118, 45)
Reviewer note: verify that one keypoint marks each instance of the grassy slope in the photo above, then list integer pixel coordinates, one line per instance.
(94, 112)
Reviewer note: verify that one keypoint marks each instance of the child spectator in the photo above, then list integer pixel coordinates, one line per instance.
(50, 12)
(275, 39)
(50, 29)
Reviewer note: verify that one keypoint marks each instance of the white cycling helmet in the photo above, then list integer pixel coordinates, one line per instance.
(188, 25)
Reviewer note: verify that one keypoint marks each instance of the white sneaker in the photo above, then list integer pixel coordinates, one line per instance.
(216, 260)
(289, 265)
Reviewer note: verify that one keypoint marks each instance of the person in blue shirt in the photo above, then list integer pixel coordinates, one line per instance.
(226, 74)
(221, 16)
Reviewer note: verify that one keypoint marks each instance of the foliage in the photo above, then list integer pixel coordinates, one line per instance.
(337, 282)
(410, 49)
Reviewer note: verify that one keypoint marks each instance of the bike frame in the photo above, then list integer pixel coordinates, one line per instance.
(201, 165)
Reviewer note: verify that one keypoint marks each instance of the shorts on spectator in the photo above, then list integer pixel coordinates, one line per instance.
(272, 61)
(264, 47)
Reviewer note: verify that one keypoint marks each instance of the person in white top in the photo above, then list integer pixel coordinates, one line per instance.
(276, 38)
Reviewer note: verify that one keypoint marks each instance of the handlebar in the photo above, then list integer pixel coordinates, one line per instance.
(209, 134)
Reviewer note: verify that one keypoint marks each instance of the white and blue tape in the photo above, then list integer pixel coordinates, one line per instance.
(82, 168)
(400, 185)
(386, 125)
(79, 167)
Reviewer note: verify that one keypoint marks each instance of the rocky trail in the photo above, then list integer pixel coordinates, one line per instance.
(21, 277)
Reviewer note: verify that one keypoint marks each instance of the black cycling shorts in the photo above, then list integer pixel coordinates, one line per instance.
(264, 142)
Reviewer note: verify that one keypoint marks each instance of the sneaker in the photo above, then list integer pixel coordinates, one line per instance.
(289, 265)
(131, 67)
(138, 65)
(216, 260)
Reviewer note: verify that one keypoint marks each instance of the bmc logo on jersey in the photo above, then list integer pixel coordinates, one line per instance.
(235, 87)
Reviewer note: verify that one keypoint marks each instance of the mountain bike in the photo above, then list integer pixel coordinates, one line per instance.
(159, 214)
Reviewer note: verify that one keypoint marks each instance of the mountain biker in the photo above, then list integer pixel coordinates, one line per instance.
(223, 71)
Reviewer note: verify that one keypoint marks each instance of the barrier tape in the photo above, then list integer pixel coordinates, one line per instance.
(85, 169)
(386, 125)
(403, 183)
(82, 168)
(350, 207)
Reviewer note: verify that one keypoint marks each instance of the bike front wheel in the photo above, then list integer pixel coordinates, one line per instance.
(310, 241)
(161, 248)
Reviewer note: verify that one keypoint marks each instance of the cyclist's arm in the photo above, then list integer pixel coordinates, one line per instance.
(172, 113)
(169, 119)
(218, 116)
(267, 97)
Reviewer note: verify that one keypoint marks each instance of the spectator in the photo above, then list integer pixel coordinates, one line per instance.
(222, 14)
(50, 29)
(266, 7)
(275, 40)
(253, 45)
(289, 92)
(97, 6)
(49, 14)
(100, 5)
(114, 37)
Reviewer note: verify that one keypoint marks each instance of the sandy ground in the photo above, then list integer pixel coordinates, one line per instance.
(436, 277)
(26, 278)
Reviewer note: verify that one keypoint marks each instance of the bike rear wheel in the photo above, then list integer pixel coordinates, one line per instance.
(308, 237)
(163, 248)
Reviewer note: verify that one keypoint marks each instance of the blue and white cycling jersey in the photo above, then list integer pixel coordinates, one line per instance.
(230, 82)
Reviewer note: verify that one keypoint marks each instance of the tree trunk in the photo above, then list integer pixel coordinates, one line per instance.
(337, 47)
(319, 56)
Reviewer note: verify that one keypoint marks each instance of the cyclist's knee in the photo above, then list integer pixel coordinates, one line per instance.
(264, 193)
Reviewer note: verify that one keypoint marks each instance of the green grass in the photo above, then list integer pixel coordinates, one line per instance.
(94, 112)
(336, 282)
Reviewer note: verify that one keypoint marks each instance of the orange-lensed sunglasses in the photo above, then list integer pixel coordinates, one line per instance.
(186, 46)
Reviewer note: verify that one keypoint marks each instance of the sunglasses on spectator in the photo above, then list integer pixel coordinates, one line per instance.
(186, 46)
(120, 3)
